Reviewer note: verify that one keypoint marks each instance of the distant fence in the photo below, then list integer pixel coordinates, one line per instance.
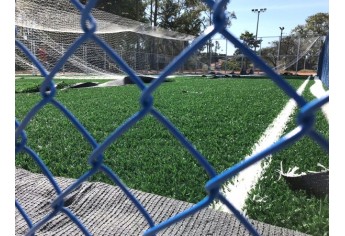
(291, 53)
(306, 121)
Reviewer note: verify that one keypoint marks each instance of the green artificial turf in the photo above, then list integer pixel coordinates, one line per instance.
(222, 118)
(273, 202)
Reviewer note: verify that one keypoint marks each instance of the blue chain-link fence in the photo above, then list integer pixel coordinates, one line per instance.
(305, 127)
(323, 66)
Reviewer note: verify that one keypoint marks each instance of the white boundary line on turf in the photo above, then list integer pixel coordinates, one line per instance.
(237, 192)
(318, 91)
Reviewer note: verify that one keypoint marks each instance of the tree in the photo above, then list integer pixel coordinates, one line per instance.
(231, 65)
(181, 16)
(155, 14)
(207, 21)
(132, 9)
(185, 16)
(269, 55)
(317, 24)
(248, 40)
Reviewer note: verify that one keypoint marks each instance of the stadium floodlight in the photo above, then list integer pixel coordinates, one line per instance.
(257, 23)
(280, 39)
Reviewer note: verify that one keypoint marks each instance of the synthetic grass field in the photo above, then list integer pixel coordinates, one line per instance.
(274, 202)
(223, 118)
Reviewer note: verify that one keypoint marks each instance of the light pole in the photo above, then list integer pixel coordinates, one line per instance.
(281, 35)
(226, 55)
(257, 23)
(305, 58)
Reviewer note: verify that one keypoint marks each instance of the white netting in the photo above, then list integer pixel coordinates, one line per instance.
(49, 27)
(302, 47)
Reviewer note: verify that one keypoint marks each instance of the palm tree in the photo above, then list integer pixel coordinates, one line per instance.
(249, 40)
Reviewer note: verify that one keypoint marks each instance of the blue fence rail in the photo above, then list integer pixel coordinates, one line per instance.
(305, 125)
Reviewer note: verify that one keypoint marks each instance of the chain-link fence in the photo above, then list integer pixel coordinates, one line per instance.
(292, 53)
(60, 204)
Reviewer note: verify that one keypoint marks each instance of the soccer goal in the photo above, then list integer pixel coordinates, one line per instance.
(48, 28)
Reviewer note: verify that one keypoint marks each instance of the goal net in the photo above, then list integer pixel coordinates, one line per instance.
(49, 27)
(300, 49)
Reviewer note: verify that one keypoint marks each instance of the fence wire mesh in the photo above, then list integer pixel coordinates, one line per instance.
(48, 91)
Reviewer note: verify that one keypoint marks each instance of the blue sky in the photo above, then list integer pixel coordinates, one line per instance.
(279, 13)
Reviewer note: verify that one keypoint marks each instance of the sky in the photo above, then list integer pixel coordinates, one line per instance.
(279, 13)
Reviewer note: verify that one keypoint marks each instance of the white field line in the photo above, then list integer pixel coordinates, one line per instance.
(318, 91)
(237, 192)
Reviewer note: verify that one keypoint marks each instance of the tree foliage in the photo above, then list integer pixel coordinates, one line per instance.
(248, 39)
(132, 9)
(317, 24)
(183, 16)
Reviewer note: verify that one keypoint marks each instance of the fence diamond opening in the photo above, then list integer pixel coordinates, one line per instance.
(88, 26)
